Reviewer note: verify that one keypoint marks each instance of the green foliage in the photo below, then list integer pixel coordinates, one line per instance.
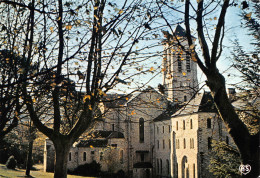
(88, 169)
(224, 161)
(11, 162)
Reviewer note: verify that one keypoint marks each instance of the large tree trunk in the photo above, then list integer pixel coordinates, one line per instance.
(62, 150)
(247, 144)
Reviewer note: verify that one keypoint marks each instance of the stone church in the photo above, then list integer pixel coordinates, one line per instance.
(150, 133)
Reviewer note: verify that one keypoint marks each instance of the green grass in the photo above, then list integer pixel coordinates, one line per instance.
(9, 173)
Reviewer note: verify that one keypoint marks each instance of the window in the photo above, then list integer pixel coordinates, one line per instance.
(84, 156)
(161, 166)
(169, 129)
(141, 130)
(185, 98)
(191, 124)
(183, 125)
(142, 157)
(176, 125)
(163, 144)
(208, 123)
(194, 171)
(184, 143)
(227, 140)
(70, 156)
(177, 144)
(157, 130)
(101, 156)
(158, 144)
(209, 143)
(114, 145)
(168, 166)
(158, 166)
(162, 129)
(188, 63)
(179, 63)
(113, 127)
(191, 143)
(121, 156)
(169, 143)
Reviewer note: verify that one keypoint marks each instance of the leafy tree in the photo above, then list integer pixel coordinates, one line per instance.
(211, 50)
(224, 161)
(76, 45)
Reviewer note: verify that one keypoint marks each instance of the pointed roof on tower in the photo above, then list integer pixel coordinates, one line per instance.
(179, 31)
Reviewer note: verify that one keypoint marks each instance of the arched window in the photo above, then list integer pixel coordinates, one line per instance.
(158, 144)
(183, 124)
(185, 98)
(176, 125)
(163, 144)
(84, 156)
(191, 124)
(227, 140)
(168, 166)
(169, 143)
(209, 143)
(183, 166)
(184, 143)
(208, 123)
(141, 130)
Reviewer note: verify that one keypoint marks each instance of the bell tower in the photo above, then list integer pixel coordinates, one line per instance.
(179, 70)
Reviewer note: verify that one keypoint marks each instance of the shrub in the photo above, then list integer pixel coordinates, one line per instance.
(88, 169)
(11, 163)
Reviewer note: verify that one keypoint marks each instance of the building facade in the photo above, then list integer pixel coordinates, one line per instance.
(152, 134)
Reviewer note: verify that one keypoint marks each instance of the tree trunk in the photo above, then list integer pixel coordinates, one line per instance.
(29, 158)
(247, 144)
(61, 159)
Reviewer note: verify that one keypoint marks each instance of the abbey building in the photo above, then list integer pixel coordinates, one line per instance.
(151, 133)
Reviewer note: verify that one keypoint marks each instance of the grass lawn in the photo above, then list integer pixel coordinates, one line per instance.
(9, 173)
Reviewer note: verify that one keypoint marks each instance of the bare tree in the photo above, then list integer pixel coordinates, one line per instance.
(210, 54)
(80, 49)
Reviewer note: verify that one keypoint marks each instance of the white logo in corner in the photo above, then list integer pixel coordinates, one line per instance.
(244, 169)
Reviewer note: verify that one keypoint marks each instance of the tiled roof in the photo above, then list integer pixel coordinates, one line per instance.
(106, 134)
(92, 143)
(115, 100)
(203, 102)
(99, 138)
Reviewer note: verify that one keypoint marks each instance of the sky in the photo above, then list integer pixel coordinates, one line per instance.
(233, 30)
